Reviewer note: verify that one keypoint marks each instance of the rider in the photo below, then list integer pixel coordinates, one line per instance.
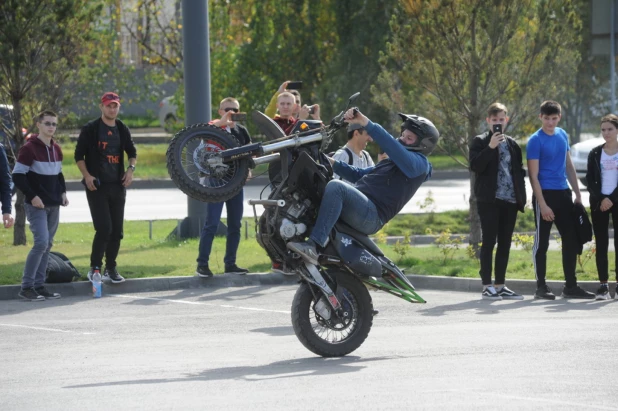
(379, 192)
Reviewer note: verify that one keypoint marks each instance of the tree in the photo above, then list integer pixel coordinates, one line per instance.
(39, 43)
(449, 60)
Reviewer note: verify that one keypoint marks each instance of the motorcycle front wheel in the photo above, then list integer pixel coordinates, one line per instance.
(188, 166)
(333, 337)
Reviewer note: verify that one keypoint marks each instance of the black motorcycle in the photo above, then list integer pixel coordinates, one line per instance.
(332, 311)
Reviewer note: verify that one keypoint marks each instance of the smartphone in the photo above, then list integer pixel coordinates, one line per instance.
(239, 117)
(294, 85)
(497, 128)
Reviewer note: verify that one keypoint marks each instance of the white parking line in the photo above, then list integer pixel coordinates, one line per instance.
(43, 329)
(197, 303)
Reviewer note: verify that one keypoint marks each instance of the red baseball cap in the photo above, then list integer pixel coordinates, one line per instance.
(110, 97)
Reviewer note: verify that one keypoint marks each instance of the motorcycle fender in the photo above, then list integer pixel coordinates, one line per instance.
(357, 258)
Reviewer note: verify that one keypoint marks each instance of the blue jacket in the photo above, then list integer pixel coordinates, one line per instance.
(392, 182)
(6, 183)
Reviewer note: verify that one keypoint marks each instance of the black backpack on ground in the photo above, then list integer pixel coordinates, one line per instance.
(60, 269)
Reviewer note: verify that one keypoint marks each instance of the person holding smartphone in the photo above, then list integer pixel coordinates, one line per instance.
(500, 190)
(602, 179)
(229, 111)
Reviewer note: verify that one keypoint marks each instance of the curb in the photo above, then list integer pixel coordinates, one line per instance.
(138, 285)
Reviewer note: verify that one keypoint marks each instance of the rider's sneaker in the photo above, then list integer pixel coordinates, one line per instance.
(544, 293)
(306, 250)
(113, 275)
(603, 292)
(577, 292)
(489, 293)
(508, 294)
(234, 269)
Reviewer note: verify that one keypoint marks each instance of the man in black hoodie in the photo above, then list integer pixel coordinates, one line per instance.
(500, 191)
(99, 155)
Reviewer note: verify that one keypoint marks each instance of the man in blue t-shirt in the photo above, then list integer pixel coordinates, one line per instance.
(549, 167)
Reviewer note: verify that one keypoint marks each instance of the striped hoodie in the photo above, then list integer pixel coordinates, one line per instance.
(38, 172)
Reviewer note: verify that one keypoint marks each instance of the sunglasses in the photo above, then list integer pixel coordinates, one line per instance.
(111, 98)
(235, 110)
(49, 124)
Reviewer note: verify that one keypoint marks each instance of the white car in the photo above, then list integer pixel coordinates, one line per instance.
(167, 114)
(579, 155)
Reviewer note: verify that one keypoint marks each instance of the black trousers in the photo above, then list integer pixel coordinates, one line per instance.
(107, 211)
(600, 226)
(561, 203)
(497, 223)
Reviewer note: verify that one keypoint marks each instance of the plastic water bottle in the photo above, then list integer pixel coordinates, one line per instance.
(96, 284)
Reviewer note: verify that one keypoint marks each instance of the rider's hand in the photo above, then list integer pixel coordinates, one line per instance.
(360, 118)
(89, 180)
(496, 139)
(7, 220)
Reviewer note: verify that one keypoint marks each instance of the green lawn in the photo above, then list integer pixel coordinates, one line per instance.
(144, 257)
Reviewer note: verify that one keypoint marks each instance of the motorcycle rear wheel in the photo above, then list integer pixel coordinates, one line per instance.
(186, 164)
(317, 334)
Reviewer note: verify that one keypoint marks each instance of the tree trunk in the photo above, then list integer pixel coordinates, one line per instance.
(19, 229)
(475, 221)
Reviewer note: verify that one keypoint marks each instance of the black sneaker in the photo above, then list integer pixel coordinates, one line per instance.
(30, 295)
(603, 292)
(234, 269)
(544, 293)
(113, 275)
(48, 296)
(306, 250)
(489, 293)
(203, 271)
(508, 294)
(577, 292)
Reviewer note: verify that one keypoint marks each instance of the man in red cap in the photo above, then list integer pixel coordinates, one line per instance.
(100, 158)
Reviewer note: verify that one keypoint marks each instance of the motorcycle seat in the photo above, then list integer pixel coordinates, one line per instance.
(360, 237)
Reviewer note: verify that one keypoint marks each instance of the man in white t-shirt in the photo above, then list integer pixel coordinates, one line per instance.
(353, 153)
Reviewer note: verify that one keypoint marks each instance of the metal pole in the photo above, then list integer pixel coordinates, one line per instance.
(612, 54)
(196, 52)
(150, 229)
(246, 230)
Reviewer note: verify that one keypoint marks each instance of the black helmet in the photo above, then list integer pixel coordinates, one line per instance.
(428, 135)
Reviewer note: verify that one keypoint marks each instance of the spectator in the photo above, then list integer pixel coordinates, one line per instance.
(271, 109)
(38, 174)
(549, 167)
(602, 179)
(379, 192)
(353, 153)
(99, 155)
(500, 191)
(6, 189)
(234, 205)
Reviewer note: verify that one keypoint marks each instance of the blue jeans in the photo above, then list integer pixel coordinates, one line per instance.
(43, 224)
(234, 208)
(341, 200)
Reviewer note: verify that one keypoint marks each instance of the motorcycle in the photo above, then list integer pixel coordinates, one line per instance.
(332, 310)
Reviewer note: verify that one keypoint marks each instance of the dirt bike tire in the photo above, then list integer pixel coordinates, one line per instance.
(303, 303)
(193, 188)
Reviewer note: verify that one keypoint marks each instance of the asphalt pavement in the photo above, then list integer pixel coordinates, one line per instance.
(235, 349)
